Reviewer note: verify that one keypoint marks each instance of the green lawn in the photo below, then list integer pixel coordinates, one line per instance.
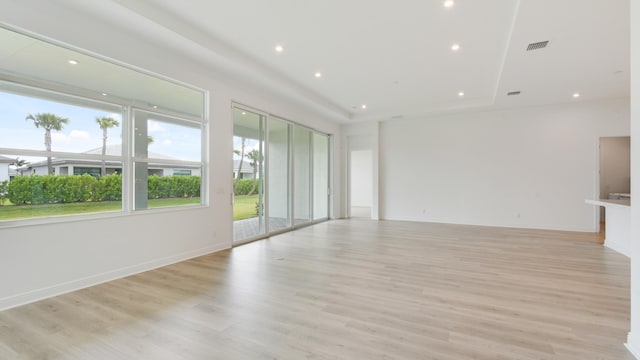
(156, 203)
(244, 207)
(11, 212)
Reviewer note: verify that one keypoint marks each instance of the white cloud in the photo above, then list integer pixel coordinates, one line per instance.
(59, 136)
(167, 142)
(73, 135)
(79, 134)
(154, 126)
(116, 116)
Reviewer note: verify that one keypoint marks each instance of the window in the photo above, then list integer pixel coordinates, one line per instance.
(95, 172)
(59, 153)
(160, 144)
(94, 136)
(181, 172)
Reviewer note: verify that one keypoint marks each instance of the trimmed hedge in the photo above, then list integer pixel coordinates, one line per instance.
(111, 187)
(173, 187)
(52, 189)
(3, 191)
(244, 186)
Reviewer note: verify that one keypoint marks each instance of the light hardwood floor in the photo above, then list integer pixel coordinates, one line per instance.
(350, 289)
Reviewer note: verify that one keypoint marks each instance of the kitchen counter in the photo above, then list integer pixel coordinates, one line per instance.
(618, 223)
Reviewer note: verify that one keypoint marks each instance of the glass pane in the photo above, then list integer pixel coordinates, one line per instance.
(301, 176)
(248, 149)
(320, 176)
(279, 214)
(165, 150)
(43, 186)
(171, 139)
(33, 123)
(76, 188)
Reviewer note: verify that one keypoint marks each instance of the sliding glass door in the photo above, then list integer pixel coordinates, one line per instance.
(280, 175)
(301, 175)
(320, 176)
(248, 174)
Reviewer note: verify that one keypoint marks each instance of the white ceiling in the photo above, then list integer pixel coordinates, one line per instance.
(395, 56)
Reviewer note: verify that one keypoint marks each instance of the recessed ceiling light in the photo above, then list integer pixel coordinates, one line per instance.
(455, 47)
(104, 94)
(576, 95)
(318, 74)
(155, 106)
(448, 3)
(279, 48)
(73, 62)
(244, 113)
(461, 94)
(364, 106)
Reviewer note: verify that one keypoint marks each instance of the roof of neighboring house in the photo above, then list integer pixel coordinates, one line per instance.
(116, 150)
(246, 166)
(111, 150)
(6, 160)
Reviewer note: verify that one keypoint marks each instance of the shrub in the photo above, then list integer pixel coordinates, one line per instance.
(158, 187)
(243, 186)
(23, 189)
(173, 186)
(186, 186)
(3, 191)
(49, 189)
(110, 187)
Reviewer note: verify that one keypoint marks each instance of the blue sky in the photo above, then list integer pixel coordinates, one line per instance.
(82, 133)
(249, 145)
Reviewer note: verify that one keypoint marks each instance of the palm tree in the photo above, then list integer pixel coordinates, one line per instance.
(48, 122)
(19, 162)
(255, 158)
(242, 155)
(105, 123)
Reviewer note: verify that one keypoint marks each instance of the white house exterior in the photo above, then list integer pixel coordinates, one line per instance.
(70, 166)
(4, 167)
(247, 170)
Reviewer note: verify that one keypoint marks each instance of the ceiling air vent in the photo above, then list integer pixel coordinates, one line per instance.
(537, 45)
(512, 93)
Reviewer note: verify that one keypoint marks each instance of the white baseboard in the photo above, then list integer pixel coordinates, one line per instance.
(615, 246)
(633, 345)
(55, 290)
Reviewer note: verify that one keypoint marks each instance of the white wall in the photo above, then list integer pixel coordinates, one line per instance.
(528, 168)
(4, 171)
(633, 340)
(37, 261)
(361, 168)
